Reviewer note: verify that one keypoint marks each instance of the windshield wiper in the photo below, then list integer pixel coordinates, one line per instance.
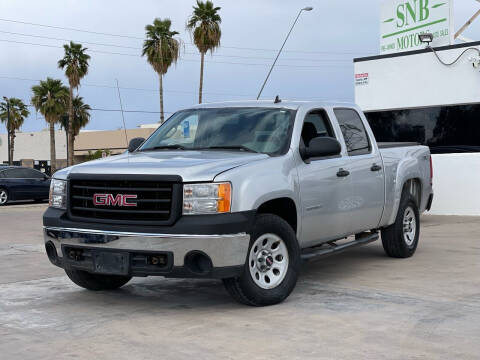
(231, 147)
(166, 147)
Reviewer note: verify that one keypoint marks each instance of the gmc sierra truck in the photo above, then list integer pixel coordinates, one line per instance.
(243, 192)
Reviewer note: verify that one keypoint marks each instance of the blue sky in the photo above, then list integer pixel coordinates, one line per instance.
(316, 64)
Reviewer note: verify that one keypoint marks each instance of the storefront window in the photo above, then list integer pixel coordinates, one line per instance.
(446, 129)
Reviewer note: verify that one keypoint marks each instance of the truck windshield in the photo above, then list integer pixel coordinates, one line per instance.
(261, 130)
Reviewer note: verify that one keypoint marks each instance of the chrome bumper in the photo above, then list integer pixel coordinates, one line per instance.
(223, 250)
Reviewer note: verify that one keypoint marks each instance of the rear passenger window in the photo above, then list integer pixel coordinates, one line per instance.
(13, 174)
(353, 131)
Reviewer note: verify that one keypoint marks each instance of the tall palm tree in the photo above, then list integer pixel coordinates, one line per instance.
(204, 23)
(50, 98)
(18, 112)
(75, 64)
(162, 50)
(81, 116)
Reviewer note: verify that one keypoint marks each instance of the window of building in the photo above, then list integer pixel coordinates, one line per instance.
(446, 129)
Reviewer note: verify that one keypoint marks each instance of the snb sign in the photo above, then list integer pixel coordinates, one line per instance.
(412, 12)
(403, 20)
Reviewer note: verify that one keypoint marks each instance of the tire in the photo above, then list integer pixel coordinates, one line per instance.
(3, 196)
(283, 270)
(97, 282)
(397, 241)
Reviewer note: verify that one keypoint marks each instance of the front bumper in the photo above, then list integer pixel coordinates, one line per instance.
(227, 252)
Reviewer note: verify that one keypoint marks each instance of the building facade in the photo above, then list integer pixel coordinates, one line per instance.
(433, 98)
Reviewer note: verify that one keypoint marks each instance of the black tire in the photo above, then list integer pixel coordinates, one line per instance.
(244, 290)
(3, 191)
(97, 282)
(393, 240)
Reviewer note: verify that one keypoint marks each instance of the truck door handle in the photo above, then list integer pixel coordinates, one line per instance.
(376, 167)
(343, 173)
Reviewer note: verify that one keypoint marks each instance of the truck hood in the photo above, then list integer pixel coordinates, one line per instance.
(190, 165)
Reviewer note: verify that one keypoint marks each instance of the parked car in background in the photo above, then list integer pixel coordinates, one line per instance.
(21, 183)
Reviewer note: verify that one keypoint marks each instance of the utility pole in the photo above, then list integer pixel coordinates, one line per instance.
(10, 160)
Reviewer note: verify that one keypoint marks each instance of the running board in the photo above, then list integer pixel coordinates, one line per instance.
(332, 248)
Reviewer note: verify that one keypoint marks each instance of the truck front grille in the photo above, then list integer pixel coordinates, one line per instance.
(146, 201)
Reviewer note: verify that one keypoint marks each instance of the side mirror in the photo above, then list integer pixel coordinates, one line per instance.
(322, 146)
(135, 143)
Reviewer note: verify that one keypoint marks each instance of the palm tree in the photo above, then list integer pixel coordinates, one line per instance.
(18, 112)
(75, 64)
(50, 99)
(81, 116)
(162, 50)
(205, 25)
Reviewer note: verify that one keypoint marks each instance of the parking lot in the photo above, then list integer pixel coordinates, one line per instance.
(359, 304)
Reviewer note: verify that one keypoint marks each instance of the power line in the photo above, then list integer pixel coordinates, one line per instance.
(71, 29)
(120, 110)
(186, 52)
(188, 60)
(132, 88)
(140, 38)
(156, 90)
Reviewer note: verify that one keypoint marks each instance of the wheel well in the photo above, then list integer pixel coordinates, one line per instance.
(282, 207)
(414, 187)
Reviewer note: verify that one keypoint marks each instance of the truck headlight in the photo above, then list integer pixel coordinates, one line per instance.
(58, 194)
(206, 198)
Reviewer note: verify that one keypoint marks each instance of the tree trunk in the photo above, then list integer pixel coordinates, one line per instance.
(12, 143)
(53, 156)
(70, 129)
(162, 116)
(200, 90)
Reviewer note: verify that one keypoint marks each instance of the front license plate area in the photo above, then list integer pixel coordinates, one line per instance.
(111, 263)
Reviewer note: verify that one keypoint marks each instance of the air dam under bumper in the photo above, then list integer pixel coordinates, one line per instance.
(143, 254)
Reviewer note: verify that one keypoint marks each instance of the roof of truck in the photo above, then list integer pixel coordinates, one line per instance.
(289, 104)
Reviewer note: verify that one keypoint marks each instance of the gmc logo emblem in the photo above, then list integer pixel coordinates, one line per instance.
(110, 200)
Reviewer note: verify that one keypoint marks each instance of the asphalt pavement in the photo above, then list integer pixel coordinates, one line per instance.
(356, 305)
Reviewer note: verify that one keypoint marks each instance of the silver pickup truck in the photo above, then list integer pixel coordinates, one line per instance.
(243, 192)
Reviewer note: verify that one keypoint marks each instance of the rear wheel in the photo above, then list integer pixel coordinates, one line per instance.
(400, 240)
(3, 196)
(97, 282)
(272, 266)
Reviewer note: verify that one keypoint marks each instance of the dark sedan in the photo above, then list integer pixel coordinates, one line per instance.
(20, 183)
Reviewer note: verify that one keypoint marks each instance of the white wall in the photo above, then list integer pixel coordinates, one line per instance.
(418, 80)
(34, 145)
(456, 183)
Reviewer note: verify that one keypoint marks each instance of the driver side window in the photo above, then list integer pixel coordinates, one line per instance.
(316, 124)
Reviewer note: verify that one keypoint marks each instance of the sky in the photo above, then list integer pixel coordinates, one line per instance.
(316, 63)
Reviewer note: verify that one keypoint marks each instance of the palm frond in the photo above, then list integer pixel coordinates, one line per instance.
(204, 24)
(160, 47)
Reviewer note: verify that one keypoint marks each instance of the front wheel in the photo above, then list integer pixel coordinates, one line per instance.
(96, 282)
(273, 262)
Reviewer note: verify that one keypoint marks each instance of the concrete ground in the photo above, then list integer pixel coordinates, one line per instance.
(359, 304)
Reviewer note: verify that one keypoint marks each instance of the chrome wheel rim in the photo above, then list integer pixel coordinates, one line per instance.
(268, 261)
(409, 226)
(3, 197)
